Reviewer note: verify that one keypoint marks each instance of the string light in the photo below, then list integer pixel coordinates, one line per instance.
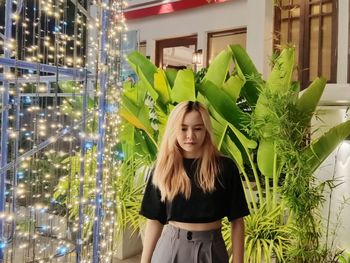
(46, 38)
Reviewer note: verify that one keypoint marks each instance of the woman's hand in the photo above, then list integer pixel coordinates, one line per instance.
(152, 233)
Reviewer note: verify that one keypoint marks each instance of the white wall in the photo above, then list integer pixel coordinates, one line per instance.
(343, 35)
(337, 165)
(198, 21)
(256, 15)
(260, 33)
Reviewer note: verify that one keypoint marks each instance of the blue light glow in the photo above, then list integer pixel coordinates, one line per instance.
(65, 130)
(54, 201)
(20, 175)
(111, 108)
(119, 155)
(61, 250)
(88, 145)
(27, 100)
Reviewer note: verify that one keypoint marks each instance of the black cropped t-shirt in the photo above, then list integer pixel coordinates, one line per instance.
(227, 200)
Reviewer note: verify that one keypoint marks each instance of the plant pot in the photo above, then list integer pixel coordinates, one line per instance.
(128, 245)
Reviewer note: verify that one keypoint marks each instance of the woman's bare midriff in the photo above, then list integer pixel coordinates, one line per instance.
(197, 226)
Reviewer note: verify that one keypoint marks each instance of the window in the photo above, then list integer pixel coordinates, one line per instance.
(312, 25)
(176, 52)
(217, 41)
(142, 48)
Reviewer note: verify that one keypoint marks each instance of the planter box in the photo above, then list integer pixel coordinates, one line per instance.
(128, 245)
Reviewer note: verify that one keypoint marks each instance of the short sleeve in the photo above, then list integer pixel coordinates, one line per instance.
(152, 207)
(238, 206)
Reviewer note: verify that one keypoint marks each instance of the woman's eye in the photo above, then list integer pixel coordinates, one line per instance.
(198, 129)
(183, 129)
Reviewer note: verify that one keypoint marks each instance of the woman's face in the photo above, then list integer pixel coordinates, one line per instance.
(192, 134)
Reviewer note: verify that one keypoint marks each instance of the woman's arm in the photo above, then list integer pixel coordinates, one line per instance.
(152, 233)
(237, 238)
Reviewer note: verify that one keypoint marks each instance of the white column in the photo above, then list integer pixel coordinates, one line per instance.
(260, 33)
(202, 44)
(343, 41)
(151, 49)
(336, 166)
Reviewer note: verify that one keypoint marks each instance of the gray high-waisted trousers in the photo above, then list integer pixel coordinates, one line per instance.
(177, 245)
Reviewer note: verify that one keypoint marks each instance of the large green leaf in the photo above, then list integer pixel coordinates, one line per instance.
(145, 70)
(295, 90)
(136, 115)
(136, 94)
(223, 104)
(171, 76)
(230, 139)
(264, 117)
(161, 85)
(281, 76)
(250, 89)
(147, 145)
(162, 118)
(243, 143)
(144, 82)
(218, 68)
(233, 86)
(319, 150)
(219, 130)
(127, 139)
(230, 134)
(126, 134)
(230, 147)
(141, 64)
(265, 157)
(308, 101)
(244, 140)
(184, 86)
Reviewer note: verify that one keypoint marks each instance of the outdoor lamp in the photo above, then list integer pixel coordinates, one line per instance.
(197, 57)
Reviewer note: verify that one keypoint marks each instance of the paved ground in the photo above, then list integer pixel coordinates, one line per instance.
(135, 259)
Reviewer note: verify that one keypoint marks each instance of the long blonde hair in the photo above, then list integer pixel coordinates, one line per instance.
(169, 174)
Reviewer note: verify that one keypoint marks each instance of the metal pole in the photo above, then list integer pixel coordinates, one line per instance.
(101, 131)
(79, 245)
(39, 67)
(79, 241)
(4, 123)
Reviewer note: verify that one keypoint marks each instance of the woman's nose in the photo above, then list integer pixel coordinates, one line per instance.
(189, 134)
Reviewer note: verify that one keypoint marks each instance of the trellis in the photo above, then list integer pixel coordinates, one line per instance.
(52, 58)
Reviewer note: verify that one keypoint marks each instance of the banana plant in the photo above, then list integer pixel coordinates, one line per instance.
(258, 140)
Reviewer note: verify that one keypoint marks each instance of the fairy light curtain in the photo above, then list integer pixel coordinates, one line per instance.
(60, 69)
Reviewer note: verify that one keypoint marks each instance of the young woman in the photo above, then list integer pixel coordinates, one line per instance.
(191, 190)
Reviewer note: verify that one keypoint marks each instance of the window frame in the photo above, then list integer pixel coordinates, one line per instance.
(304, 38)
(227, 32)
(173, 42)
